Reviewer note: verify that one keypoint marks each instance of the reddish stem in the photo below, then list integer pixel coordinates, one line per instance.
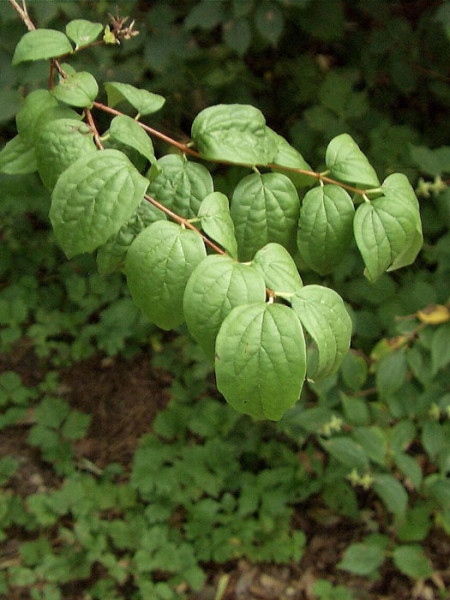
(184, 223)
(94, 129)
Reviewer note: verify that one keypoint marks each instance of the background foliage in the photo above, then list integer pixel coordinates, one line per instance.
(207, 485)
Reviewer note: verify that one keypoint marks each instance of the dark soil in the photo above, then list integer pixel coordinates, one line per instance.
(123, 397)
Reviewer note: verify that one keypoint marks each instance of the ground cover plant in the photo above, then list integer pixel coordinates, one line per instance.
(270, 286)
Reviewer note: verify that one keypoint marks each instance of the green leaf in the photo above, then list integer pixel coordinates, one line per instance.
(354, 371)
(50, 115)
(347, 452)
(237, 35)
(391, 373)
(264, 208)
(261, 360)
(83, 32)
(278, 269)
(410, 468)
(325, 227)
(392, 493)
(93, 198)
(323, 314)
(287, 156)
(362, 559)
(217, 222)
(58, 145)
(111, 256)
(34, 105)
(356, 410)
(75, 426)
(433, 439)
(51, 412)
(347, 163)
(269, 21)
(8, 466)
(411, 560)
(373, 440)
(182, 185)
(217, 285)
(41, 44)
(79, 89)
(432, 162)
(234, 133)
(440, 347)
(417, 523)
(126, 131)
(388, 235)
(158, 265)
(146, 103)
(205, 15)
(401, 436)
(17, 157)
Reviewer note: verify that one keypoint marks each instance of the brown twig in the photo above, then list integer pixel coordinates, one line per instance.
(185, 223)
(94, 129)
(23, 12)
(186, 149)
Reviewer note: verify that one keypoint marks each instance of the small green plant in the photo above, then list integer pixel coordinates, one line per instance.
(230, 273)
(56, 426)
(15, 398)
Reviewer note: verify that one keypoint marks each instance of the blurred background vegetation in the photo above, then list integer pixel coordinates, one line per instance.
(375, 69)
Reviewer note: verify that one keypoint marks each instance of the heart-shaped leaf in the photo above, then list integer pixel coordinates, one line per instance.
(323, 314)
(260, 359)
(93, 198)
(217, 285)
(158, 265)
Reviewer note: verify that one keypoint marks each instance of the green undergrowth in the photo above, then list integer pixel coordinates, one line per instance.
(208, 486)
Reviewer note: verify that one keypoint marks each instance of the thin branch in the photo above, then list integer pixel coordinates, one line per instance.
(23, 12)
(94, 129)
(185, 223)
(186, 149)
(165, 138)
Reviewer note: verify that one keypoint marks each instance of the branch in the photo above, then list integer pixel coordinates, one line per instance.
(23, 12)
(94, 129)
(186, 149)
(185, 223)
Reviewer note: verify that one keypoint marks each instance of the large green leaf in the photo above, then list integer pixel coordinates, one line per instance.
(158, 265)
(260, 359)
(234, 133)
(287, 156)
(41, 44)
(93, 198)
(264, 208)
(217, 285)
(182, 185)
(53, 114)
(323, 314)
(58, 145)
(388, 234)
(126, 131)
(111, 256)
(347, 163)
(217, 222)
(278, 268)
(325, 227)
(17, 157)
(83, 32)
(143, 101)
(79, 89)
(34, 105)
